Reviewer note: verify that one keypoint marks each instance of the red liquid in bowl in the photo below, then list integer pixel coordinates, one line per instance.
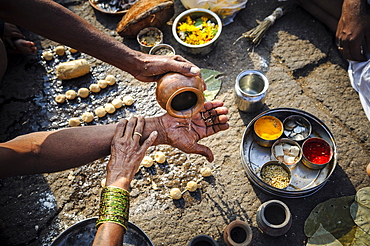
(317, 151)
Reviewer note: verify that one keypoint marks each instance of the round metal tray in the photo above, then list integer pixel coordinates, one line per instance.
(83, 233)
(304, 181)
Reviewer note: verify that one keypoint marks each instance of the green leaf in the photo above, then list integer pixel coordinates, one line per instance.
(323, 237)
(212, 81)
(334, 215)
(360, 210)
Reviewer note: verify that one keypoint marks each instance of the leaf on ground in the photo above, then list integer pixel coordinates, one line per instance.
(361, 216)
(322, 237)
(361, 238)
(334, 215)
(363, 197)
(212, 81)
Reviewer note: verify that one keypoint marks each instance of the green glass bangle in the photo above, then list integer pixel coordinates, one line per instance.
(114, 206)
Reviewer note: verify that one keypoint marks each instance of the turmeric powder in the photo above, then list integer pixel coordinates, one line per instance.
(268, 127)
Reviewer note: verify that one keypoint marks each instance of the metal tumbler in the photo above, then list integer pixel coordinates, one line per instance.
(250, 90)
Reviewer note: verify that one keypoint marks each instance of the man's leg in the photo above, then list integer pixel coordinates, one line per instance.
(326, 11)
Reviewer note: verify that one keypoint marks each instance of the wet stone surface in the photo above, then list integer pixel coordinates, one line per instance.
(305, 71)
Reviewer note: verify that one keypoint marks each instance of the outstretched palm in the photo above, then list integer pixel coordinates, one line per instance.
(184, 134)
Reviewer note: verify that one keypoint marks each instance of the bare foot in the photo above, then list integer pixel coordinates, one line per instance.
(24, 47)
(16, 42)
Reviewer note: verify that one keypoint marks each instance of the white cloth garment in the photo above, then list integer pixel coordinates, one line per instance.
(359, 74)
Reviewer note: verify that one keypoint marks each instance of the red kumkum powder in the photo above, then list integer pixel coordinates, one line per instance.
(317, 152)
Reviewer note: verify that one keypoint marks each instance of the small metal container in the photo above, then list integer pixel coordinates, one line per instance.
(271, 175)
(155, 38)
(283, 159)
(297, 127)
(321, 145)
(259, 134)
(250, 90)
(162, 49)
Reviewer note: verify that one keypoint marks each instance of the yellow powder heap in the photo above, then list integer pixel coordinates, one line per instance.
(268, 127)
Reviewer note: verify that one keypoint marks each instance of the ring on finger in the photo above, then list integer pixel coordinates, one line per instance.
(138, 133)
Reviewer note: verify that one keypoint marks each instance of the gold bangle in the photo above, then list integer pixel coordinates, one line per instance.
(114, 206)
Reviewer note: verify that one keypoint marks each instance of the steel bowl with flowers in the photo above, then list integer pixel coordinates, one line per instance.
(197, 30)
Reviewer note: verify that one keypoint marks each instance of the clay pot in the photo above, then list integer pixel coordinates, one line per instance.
(181, 96)
(202, 240)
(274, 218)
(238, 233)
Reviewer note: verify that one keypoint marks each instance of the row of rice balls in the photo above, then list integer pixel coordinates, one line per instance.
(101, 111)
(110, 108)
(85, 92)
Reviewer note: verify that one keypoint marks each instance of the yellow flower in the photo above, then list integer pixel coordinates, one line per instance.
(196, 32)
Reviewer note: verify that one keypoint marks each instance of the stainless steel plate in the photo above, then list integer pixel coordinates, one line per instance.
(83, 233)
(304, 181)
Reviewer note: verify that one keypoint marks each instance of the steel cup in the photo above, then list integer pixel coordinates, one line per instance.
(250, 90)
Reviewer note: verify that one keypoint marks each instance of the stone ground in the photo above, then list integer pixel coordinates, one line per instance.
(305, 71)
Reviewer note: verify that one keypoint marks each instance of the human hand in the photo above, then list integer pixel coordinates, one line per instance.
(127, 152)
(153, 67)
(182, 134)
(353, 31)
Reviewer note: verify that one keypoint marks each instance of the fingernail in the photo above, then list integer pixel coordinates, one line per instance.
(194, 70)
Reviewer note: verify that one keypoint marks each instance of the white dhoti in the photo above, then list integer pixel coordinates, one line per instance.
(359, 74)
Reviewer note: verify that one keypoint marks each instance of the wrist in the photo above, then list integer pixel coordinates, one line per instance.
(120, 182)
(155, 124)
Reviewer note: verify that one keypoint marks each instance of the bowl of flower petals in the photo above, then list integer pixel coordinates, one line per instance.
(197, 30)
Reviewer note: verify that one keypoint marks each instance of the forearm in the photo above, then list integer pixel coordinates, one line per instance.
(57, 23)
(109, 234)
(52, 151)
(55, 150)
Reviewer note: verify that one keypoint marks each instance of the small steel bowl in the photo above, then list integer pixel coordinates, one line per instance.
(283, 159)
(146, 48)
(258, 136)
(162, 49)
(202, 49)
(318, 143)
(270, 174)
(297, 127)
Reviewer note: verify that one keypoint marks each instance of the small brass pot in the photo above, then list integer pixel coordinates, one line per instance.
(181, 96)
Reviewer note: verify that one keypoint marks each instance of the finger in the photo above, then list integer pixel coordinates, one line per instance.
(216, 128)
(212, 104)
(221, 111)
(130, 126)
(356, 51)
(120, 129)
(16, 35)
(366, 46)
(181, 65)
(138, 129)
(149, 141)
(203, 150)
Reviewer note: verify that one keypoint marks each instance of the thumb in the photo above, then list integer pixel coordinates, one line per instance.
(204, 151)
